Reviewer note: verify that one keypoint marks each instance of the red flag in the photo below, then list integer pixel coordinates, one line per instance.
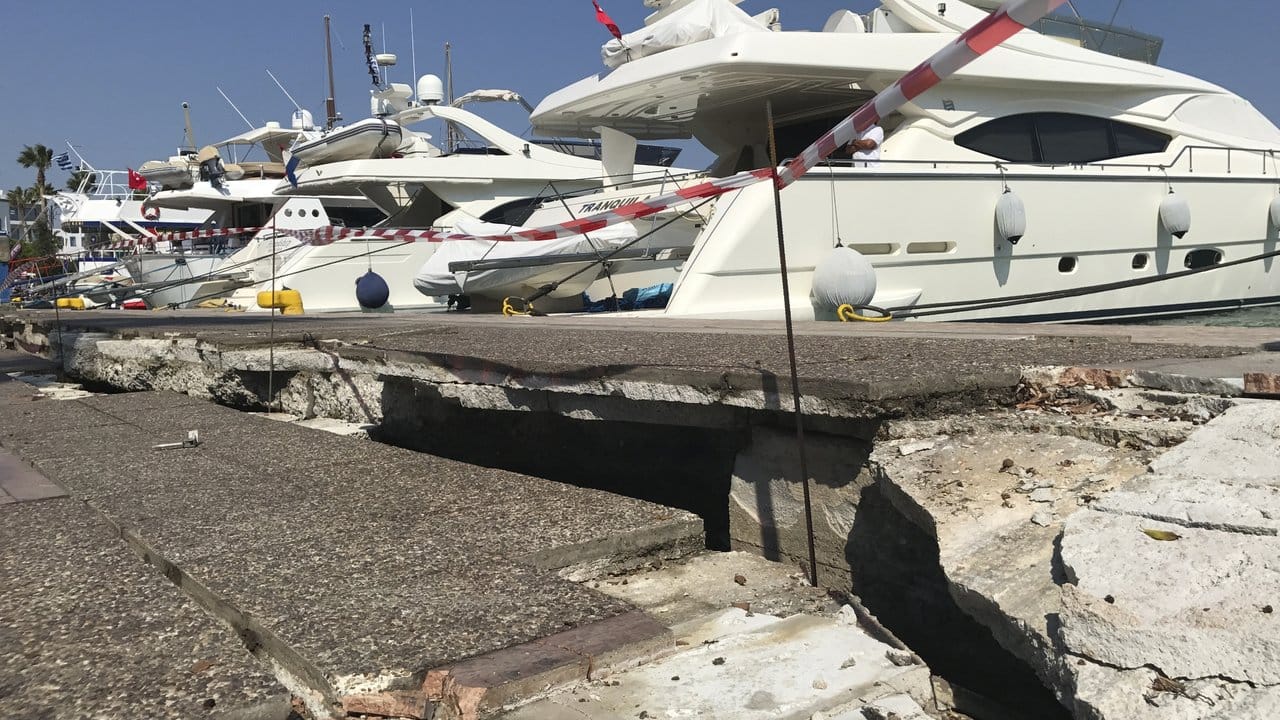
(136, 181)
(605, 20)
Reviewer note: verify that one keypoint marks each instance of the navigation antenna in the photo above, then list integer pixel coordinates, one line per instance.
(286, 92)
(190, 134)
(330, 105)
(233, 107)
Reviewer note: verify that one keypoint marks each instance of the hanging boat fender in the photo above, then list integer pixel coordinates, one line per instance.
(1275, 211)
(844, 277)
(1011, 217)
(372, 291)
(1175, 215)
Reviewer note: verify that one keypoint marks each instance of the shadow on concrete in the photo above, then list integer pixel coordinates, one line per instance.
(682, 467)
(897, 574)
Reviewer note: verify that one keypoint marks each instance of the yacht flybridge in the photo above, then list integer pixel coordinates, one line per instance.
(1045, 166)
(425, 185)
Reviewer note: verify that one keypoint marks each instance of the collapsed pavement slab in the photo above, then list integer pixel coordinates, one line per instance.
(351, 568)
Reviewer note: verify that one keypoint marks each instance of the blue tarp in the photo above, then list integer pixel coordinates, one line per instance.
(654, 297)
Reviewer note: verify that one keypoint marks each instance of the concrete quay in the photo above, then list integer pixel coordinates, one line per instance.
(909, 426)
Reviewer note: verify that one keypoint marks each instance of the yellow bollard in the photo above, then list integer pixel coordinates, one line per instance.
(70, 303)
(288, 302)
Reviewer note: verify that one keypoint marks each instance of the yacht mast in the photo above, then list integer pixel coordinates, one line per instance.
(186, 119)
(451, 135)
(330, 106)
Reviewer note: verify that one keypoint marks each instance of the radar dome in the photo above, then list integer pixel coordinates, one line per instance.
(430, 90)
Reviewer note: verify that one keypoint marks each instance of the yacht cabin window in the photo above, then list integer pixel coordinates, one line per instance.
(1060, 138)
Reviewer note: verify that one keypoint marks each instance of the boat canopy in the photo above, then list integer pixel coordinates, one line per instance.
(699, 20)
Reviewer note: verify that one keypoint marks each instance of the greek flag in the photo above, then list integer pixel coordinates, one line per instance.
(64, 162)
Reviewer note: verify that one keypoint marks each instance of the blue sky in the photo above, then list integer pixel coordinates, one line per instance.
(112, 79)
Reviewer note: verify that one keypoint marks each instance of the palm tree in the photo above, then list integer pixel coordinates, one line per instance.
(39, 157)
(17, 199)
(77, 177)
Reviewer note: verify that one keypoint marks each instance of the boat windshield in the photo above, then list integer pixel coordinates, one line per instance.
(1102, 37)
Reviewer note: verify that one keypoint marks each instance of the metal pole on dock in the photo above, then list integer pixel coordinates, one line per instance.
(791, 348)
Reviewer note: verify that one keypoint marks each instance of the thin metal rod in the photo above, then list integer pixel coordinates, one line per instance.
(791, 349)
(271, 332)
(330, 105)
(233, 107)
(413, 57)
(296, 106)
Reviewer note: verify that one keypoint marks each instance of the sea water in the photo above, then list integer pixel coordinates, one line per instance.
(1248, 317)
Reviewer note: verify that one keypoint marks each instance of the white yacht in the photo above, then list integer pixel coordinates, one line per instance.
(491, 172)
(250, 238)
(103, 209)
(1046, 166)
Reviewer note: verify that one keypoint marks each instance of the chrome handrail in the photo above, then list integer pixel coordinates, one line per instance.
(1187, 152)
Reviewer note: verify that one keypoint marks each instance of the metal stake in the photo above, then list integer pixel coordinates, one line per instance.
(791, 349)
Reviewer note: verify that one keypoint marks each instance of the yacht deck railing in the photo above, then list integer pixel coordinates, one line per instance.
(1191, 158)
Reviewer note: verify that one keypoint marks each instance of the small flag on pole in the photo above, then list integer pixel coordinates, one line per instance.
(603, 18)
(290, 166)
(136, 181)
(64, 162)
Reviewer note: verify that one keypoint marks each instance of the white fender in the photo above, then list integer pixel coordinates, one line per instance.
(843, 277)
(1011, 217)
(1175, 215)
(1275, 211)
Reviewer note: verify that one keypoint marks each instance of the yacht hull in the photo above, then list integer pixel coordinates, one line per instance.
(172, 280)
(325, 275)
(931, 235)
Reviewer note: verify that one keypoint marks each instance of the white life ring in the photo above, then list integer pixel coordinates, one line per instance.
(151, 212)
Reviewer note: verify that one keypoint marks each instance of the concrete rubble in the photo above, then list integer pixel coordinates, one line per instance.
(753, 641)
(1137, 581)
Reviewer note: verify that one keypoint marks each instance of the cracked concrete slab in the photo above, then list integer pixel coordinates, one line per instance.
(1148, 592)
(1174, 580)
(1198, 606)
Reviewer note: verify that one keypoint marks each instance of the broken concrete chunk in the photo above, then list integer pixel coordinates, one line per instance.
(912, 448)
(1044, 495)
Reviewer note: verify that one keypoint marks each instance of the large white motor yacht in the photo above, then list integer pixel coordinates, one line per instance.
(217, 265)
(1046, 166)
(489, 172)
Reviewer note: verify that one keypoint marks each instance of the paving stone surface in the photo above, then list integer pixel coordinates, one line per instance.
(88, 631)
(372, 563)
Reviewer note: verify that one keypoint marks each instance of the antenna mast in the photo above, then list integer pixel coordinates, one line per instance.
(286, 92)
(186, 119)
(233, 107)
(451, 135)
(330, 106)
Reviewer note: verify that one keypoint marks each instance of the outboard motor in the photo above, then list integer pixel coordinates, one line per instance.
(211, 165)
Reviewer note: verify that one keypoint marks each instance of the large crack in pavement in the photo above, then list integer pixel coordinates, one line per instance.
(1057, 545)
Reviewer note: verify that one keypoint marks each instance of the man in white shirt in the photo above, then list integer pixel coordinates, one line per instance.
(865, 149)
